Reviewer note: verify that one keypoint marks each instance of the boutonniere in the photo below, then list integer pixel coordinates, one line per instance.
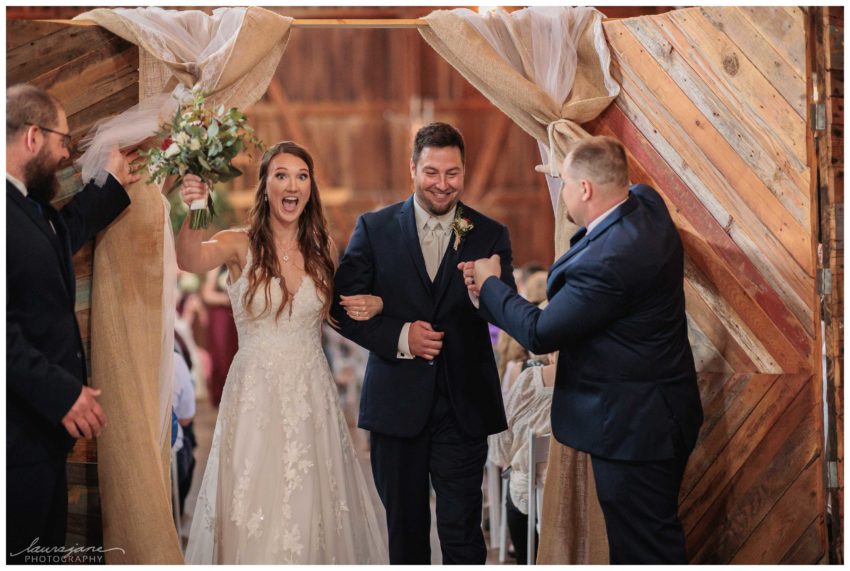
(461, 226)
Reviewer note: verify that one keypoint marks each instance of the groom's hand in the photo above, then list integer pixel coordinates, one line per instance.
(468, 269)
(424, 341)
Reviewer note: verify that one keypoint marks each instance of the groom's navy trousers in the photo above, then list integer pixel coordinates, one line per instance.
(455, 462)
(429, 420)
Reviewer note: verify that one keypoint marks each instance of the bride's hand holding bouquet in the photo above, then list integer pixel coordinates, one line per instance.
(201, 142)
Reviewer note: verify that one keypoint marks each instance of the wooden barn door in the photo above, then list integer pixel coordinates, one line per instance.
(714, 111)
(94, 74)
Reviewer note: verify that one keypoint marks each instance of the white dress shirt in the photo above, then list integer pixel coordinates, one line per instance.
(598, 220)
(18, 184)
(23, 188)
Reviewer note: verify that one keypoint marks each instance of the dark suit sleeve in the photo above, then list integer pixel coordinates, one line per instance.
(503, 248)
(92, 209)
(49, 389)
(356, 275)
(592, 298)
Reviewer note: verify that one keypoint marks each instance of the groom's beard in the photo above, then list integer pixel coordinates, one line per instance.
(40, 177)
(433, 209)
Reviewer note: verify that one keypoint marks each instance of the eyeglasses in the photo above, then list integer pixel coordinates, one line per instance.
(66, 137)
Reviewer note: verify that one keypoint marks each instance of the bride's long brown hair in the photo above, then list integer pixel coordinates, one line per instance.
(313, 240)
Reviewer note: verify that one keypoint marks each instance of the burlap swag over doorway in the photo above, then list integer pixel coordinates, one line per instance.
(546, 68)
(232, 55)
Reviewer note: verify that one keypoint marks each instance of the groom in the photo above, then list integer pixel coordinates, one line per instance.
(431, 393)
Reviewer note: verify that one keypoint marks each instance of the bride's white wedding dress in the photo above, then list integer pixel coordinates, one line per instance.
(282, 483)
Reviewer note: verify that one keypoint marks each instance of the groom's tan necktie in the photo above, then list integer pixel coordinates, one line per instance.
(432, 246)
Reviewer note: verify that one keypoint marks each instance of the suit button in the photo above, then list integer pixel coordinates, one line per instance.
(79, 354)
(430, 363)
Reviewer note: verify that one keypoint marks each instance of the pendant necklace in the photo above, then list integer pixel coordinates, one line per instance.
(286, 253)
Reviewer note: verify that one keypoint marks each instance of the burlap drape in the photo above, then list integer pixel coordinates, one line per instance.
(232, 57)
(515, 91)
(572, 526)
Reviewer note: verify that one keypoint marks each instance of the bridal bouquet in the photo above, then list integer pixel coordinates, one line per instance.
(201, 142)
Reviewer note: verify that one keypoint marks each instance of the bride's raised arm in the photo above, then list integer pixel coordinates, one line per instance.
(199, 256)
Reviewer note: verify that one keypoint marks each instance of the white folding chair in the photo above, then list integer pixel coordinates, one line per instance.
(538, 453)
(493, 502)
(175, 499)
(503, 525)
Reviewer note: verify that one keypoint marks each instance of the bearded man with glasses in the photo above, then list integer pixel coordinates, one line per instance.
(48, 404)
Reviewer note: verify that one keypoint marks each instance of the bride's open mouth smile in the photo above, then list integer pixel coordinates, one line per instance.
(290, 203)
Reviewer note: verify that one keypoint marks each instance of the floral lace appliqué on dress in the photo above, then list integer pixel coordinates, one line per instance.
(282, 472)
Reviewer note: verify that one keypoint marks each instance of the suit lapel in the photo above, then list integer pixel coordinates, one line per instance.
(578, 247)
(407, 220)
(14, 196)
(448, 269)
(64, 242)
(624, 209)
(445, 273)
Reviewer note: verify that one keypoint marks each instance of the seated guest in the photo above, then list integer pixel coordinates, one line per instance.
(184, 410)
(527, 406)
(535, 287)
(511, 356)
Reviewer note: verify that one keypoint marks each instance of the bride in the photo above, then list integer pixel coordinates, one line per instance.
(282, 483)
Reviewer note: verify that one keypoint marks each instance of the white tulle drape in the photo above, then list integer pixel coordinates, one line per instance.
(551, 59)
(190, 39)
(548, 70)
(231, 55)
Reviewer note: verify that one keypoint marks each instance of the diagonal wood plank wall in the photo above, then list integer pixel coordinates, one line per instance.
(714, 113)
(94, 74)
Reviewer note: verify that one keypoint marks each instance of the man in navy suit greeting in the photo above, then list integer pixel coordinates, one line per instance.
(431, 392)
(625, 389)
(48, 402)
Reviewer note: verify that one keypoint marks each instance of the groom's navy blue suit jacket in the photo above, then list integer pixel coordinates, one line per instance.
(384, 258)
(625, 385)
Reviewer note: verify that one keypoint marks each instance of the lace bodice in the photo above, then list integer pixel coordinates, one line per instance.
(263, 331)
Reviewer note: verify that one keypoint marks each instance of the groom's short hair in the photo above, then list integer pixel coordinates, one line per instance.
(437, 135)
(29, 105)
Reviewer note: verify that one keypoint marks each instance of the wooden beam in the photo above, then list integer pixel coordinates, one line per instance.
(314, 23)
(359, 23)
(487, 160)
(381, 106)
(281, 101)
